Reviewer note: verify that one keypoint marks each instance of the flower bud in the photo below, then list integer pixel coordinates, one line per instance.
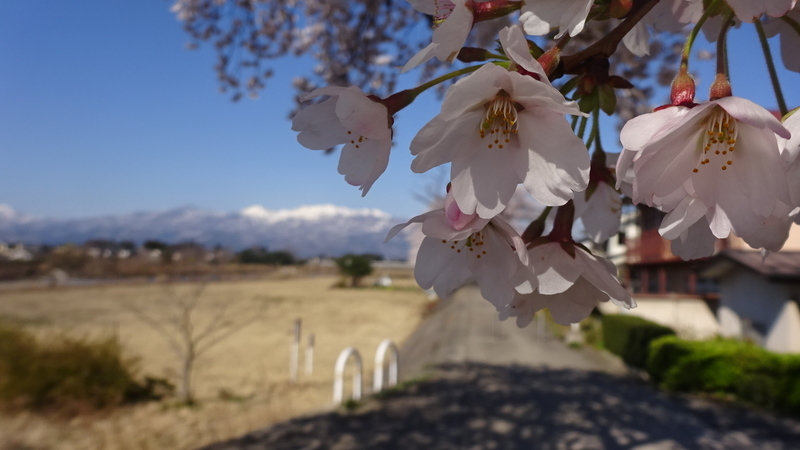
(683, 89)
(619, 8)
(453, 214)
(720, 88)
(550, 59)
(492, 9)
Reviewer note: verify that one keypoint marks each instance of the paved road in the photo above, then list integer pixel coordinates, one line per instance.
(465, 328)
(497, 387)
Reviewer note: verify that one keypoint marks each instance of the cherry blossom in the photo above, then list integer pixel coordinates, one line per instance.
(540, 16)
(750, 10)
(666, 16)
(459, 248)
(790, 38)
(727, 148)
(600, 206)
(351, 118)
(454, 20)
(791, 154)
(568, 280)
(499, 129)
(600, 213)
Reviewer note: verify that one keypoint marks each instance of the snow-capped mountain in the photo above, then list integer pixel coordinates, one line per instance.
(306, 231)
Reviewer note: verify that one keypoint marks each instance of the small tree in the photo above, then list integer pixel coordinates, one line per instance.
(355, 266)
(174, 317)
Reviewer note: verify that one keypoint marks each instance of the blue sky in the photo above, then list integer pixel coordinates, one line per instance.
(104, 111)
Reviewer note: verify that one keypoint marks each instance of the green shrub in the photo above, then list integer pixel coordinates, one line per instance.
(66, 374)
(630, 336)
(355, 266)
(727, 367)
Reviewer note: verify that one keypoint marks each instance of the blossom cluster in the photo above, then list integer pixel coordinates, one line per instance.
(716, 167)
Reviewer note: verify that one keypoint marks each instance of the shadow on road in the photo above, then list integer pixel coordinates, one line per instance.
(480, 406)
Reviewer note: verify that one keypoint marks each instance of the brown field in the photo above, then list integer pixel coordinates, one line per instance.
(241, 384)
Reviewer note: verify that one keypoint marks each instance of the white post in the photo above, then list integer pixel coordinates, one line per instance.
(338, 375)
(541, 326)
(293, 358)
(380, 355)
(310, 355)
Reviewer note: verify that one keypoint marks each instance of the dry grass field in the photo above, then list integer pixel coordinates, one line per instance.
(241, 384)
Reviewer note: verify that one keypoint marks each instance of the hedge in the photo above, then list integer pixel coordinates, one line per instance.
(727, 367)
(630, 336)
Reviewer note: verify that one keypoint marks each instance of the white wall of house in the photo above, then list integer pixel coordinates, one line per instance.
(752, 298)
(752, 307)
(784, 336)
(689, 317)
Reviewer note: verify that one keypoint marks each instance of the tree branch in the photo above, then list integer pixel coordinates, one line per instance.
(606, 46)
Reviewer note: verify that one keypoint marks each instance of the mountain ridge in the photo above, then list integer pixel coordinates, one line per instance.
(308, 230)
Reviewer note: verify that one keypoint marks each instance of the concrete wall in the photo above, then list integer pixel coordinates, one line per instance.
(751, 307)
(784, 336)
(753, 299)
(689, 317)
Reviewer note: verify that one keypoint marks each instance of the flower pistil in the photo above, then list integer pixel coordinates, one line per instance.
(500, 119)
(719, 139)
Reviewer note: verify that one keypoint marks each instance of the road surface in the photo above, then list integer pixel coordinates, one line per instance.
(494, 386)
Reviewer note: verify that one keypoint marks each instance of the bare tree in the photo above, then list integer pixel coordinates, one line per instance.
(175, 317)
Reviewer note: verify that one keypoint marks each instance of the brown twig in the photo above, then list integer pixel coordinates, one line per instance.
(606, 46)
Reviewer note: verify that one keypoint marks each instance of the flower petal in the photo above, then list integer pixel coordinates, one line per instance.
(697, 241)
(485, 181)
(440, 141)
(576, 303)
(598, 272)
(555, 270)
(516, 47)
(363, 116)
(440, 268)
(421, 57)
(557, 160)
(689, 211)
(319, 127)
(748, 112)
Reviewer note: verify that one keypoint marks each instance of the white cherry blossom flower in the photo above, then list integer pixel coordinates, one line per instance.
(599, 207)
(459, 248)
(666, 16)
(750, 10)
(454, 20)
(351, 118)
(726, 148)
(515, 46)
(570, 306)
(790, 38)
(570, 284)
(791, 153)
(540, 16)
(499, 129)
(600, 213)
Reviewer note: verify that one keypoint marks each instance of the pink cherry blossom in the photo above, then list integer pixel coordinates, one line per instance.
(499, 129)
(455, 20)
(454, 253)
(726, 148)
(540, 16)
(351, 118)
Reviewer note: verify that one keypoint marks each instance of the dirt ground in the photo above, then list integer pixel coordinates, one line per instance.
(242, 383)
